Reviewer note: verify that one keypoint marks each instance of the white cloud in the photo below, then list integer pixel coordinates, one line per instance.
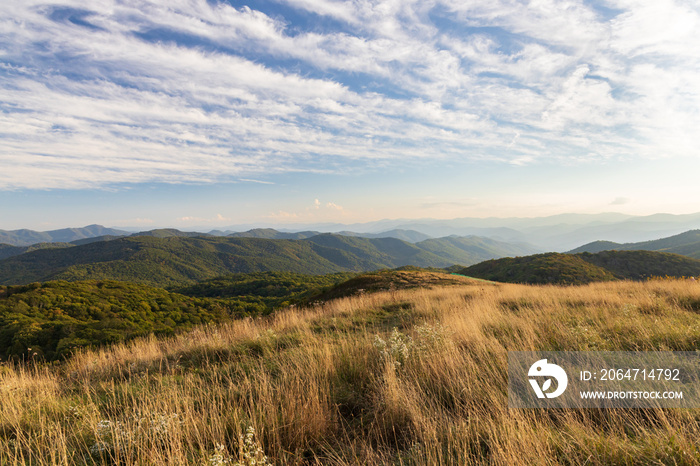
(103, 105)
(248, 180)
(621, 201)
(282, 215)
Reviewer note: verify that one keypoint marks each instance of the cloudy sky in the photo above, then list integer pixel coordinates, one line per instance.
(194, 112)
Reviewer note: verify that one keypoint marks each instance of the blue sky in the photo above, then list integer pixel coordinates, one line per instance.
(194, 112)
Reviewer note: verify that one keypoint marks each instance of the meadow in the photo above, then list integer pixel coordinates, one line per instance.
(397, 377)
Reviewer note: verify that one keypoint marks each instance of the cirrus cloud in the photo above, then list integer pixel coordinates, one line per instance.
(97, 94)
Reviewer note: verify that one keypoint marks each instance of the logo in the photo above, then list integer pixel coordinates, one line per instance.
(551, 371)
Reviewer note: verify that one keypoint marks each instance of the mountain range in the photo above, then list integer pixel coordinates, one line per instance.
(169, 257)
(552, 233)
(409, 236)
(26, 237)
(687, 244)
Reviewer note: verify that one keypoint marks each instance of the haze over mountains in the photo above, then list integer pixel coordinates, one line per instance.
(553, 233)
(166, 257)
(686, 244)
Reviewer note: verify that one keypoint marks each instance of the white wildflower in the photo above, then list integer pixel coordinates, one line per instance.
(430, 337)
(99, 448)
(251, 451)
(397, 349)
(220, 456)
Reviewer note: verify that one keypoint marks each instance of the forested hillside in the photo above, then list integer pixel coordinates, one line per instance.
(48, 321)
(167, 258)
(686, 244)
(26, 237)
(265, 290)
(576, 269)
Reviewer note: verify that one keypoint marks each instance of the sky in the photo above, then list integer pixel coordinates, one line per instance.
(187, 113)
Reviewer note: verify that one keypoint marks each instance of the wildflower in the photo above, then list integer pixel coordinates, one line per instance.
(99, 448)
(104, 431)
(220, 456)
(251, 451)
(430, 336)
(396, 349)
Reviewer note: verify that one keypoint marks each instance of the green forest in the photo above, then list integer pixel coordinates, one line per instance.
(582, 268)
(47, 321)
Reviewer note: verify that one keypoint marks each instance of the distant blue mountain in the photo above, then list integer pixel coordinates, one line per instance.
(65, 235)
(685, 244)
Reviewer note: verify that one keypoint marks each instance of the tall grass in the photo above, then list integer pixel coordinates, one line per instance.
(410, 377)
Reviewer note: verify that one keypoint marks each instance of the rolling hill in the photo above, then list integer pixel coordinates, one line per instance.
(474, 249)
(540, 269)
(66, 235)
(181, 260)
(167, 261)
(263, 292)
(7, 250)
(686, 244)
(270, 233)
(402, 278)
(410, 236)
(405, 235)
(166, 257)
(170, 233)
(552, 233)
(574, 269)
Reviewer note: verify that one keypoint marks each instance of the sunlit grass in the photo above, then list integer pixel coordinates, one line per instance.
(414, 377)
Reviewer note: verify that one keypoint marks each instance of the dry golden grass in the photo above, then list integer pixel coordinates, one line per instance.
(333, 385)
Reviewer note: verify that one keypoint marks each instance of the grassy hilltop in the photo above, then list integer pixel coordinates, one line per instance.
(582, 268)
(407, 376)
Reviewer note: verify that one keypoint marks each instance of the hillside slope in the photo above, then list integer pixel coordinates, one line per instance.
(7, 250)
(48, 321)
(66, 235)
(685, 244)
(408, 377)
(573, 269)
(470, 250)
(262, 292)
(410, 236)
(164, 261)
(373, 253)
(638, 265)
(180, 260)
(540, 269)
(402, 278)
(270, 233)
